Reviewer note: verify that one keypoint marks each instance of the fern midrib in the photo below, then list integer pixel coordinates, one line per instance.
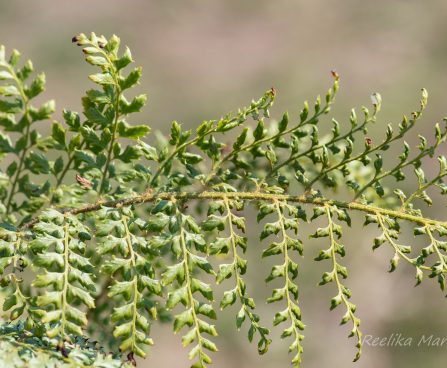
(112, 141)
(66, 270)
(422, 188)
(287, 281)
(27, 132)
(438, 253)
(311, 120)
(191, 301)
(71, 158)
(189, 143)
(253, 196)
(340, 287)
(134, 280)
(320, 146)
(115, 75)
(234, 250)
(237, 276)
(400, 166)
(395, 245)
(359, 157)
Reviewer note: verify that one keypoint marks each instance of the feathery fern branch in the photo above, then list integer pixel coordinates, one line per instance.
(123, 243)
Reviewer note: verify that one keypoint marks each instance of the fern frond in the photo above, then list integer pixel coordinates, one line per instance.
(94, 150)
(390, 233)
(17, 117)
(184, 234)
(221, 216)
(121, 245)
(21, 348)
(60, 248)
(206, 140)
(14, 259)
(118, 235)
(338, 272)
(288, 270)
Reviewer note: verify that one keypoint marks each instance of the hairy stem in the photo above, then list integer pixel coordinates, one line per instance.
(251, 196)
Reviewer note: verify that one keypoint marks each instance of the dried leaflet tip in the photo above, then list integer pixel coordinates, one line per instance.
(61, 348)
(83, 182)
(227, 148)
(131, 359)
(335, 75)
(75, 39)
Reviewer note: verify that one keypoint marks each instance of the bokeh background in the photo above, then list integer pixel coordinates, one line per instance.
(202, 59)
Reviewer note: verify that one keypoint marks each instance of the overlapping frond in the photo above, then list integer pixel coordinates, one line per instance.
(66, 273)
(20, 141)
(133, 274)
(222, 217)
(288, 270)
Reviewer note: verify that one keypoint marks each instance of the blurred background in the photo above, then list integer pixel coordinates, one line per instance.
(202, 59)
